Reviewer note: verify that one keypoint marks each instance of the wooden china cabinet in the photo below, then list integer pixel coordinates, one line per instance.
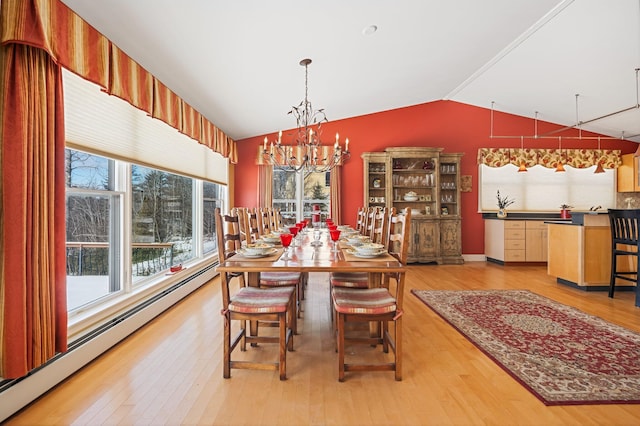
(427, 181)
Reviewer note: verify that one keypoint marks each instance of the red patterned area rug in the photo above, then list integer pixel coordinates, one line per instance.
(562, 355)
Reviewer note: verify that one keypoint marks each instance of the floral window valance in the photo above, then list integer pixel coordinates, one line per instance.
(576, 158)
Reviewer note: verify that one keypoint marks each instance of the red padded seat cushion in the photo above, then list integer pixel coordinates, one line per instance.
(256, 300)
(349, 279)
(277, 279)
(363, 301)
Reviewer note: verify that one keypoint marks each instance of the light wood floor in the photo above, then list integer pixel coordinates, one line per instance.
(170, 372)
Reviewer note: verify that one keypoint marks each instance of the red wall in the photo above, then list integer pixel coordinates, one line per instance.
(450, 125)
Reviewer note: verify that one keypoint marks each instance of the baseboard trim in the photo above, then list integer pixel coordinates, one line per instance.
(17, 394)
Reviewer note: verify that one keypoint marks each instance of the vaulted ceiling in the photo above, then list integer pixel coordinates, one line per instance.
(237, 62)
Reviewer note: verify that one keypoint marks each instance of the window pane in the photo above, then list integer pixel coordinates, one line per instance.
(90, 229)
(161, 221)
(316, 191)
(284, 194)
(87, 171)
(212, 198)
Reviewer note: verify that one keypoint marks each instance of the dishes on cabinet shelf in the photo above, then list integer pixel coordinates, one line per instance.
(410, 196)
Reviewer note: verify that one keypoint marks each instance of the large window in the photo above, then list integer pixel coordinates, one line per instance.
(170, 222)
(542, 189)
(140, 198)
(295, 194)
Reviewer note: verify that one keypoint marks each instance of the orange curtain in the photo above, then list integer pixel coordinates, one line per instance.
(265, 186)
(33, 309)
(335, 188)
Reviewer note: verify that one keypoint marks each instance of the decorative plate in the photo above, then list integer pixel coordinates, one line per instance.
(254, 254)
(367, 255)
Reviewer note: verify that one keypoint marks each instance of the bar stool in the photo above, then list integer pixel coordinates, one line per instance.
(624, 242)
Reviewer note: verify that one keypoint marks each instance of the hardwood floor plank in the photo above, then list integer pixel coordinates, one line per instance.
(170, 371)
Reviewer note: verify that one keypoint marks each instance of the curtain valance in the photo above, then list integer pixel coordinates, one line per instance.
(576, 158)
(71, 42)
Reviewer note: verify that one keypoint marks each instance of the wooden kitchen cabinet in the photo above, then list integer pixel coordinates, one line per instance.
(536, 245)
(628, 179)
(515, 240)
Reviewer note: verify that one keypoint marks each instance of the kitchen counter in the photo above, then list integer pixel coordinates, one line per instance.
(580, 251)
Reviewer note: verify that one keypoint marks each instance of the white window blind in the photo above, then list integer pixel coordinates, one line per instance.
(107, 125)
(541, 189)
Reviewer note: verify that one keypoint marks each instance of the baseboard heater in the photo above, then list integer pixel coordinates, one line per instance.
(17, 393)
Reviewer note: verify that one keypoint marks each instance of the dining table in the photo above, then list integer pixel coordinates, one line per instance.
(306, 257)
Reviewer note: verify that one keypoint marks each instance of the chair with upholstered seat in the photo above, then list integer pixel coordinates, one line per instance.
(251, 304)
(380, 234)
(361, 219)
(264, 221)
(625, 242)
(283, 279)
(382, 305)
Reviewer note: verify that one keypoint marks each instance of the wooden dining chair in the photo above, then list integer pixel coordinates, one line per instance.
(361, 219)
(253, 230)
(264, 221)
(241, 215)
(382, 305)
(380, 227)
(275, 219)
(297, 280)
(251, 304)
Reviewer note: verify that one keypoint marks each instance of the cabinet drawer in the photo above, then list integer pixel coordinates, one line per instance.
(514, 245)
(514, 234)
(514, 256)
(514, 224)
(536, 224)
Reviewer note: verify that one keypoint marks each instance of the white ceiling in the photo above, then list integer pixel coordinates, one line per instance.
(237, 62)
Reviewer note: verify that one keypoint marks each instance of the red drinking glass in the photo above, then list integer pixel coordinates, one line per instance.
(285, 239)
(294, 230)
(335, 236)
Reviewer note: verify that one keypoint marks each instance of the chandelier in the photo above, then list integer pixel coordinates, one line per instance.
(305, 152)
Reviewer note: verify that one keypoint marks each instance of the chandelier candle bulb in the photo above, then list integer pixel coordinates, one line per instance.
(346, 148)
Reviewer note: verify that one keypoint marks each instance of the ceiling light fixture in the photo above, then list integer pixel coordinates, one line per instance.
(560, 166)
(305, 152)
(578, 123)
(523, 164)
(599, 168)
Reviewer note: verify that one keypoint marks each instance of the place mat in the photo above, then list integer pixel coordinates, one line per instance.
(386, 257)
(271, 258)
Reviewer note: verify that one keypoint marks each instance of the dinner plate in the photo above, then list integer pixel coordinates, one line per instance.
(370, 255)
(263, 254)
